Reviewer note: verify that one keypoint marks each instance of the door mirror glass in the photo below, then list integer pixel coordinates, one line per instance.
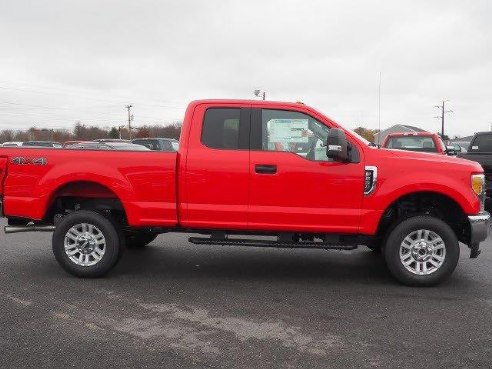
(337, 145)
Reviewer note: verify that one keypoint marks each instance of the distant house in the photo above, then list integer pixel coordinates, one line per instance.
(379, 137)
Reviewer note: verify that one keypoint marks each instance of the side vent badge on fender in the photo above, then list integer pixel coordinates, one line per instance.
(371, 176)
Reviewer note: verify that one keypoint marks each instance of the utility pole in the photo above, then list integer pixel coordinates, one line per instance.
(443, 113)
(259, 93)
(130, 118)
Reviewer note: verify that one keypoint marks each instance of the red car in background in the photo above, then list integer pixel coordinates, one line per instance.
(417, 141)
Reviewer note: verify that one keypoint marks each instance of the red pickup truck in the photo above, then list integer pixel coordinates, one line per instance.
(417, 141)
(246, 169)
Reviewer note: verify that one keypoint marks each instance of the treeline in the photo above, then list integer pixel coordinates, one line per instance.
(368, 134)
(87, 132)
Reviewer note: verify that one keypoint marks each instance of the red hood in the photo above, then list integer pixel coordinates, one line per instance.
(435, 159)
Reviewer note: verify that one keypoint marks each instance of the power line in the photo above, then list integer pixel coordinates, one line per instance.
(51, 114)
(69, 92)
(443, 114)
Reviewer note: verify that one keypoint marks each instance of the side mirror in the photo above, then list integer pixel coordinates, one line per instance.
(451, 150)
(337, 145)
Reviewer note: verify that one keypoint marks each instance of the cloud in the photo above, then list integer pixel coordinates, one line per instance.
(85, 60)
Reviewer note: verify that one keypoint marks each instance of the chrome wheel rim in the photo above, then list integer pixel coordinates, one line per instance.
(422, 252)
(85, 244)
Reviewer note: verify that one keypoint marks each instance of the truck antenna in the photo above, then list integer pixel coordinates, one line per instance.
(379, 110)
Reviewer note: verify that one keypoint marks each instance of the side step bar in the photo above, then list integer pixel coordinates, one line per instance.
(29, 228)
(266, 243)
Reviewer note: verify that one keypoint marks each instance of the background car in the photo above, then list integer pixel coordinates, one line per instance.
(158, 144)
(417, 141)
(106, 140)
(43, 144)
(120, 146)
(12, 144)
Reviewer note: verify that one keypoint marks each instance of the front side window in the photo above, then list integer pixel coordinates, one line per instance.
(221, 128)
(294, 132)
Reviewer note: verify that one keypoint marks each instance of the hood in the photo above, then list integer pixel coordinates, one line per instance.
(433, 158)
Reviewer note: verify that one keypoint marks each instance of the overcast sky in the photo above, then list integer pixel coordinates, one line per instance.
(65, 61)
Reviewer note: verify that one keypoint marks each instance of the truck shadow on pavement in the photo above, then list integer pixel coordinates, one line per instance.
(243, 263)
(180, 261)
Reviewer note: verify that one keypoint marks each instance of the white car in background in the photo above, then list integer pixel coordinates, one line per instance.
(11, 144)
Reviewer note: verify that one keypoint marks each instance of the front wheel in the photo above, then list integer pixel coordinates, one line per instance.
(422, 251)
(86, 244)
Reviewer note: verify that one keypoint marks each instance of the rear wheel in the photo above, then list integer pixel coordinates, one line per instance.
(139, 239)
(86, 244)
(422, 251)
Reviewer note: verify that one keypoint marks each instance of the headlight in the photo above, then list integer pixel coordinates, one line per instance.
(477, 183)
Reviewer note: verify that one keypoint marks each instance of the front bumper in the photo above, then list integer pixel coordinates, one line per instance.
(479, 227)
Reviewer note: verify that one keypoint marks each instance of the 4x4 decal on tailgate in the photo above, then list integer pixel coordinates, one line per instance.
(19, 160)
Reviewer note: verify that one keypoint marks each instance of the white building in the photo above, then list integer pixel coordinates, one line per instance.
(379, 137)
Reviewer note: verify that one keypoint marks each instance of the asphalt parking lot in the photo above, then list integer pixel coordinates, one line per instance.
(176, 305)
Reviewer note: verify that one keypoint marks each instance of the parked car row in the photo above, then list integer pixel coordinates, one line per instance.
(33, 143)
(138, 144)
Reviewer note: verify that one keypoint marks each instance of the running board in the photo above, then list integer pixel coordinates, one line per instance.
(266, 243)
(29, 228)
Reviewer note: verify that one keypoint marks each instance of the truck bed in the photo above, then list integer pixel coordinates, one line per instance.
(144, 181)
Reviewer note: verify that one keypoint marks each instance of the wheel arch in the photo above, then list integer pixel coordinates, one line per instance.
(433, 203)
(85, 194)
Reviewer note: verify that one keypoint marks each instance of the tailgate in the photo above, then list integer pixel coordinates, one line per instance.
(3, 173)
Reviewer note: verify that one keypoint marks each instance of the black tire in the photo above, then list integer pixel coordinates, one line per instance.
(139, 239)
(404, 229)
(113, 244)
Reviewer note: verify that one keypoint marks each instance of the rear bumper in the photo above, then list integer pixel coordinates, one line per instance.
(479, 227)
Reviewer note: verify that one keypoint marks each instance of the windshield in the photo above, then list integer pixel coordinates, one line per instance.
(412, 143)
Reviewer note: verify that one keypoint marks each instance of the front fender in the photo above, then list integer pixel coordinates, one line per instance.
(391, 189)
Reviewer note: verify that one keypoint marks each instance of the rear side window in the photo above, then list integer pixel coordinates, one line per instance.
(221, 128)
(482, 143)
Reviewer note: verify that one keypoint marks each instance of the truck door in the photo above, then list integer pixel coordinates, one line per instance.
(294, 186)
(217, 168)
